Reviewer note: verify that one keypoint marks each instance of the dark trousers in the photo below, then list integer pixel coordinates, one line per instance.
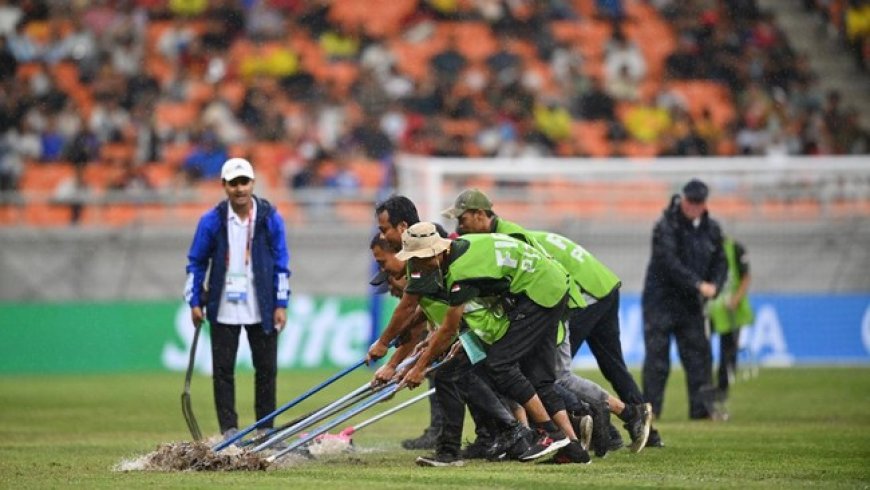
(436, 415)
(457, 384)
(264, 351)
(694, 349)
(523, 362)
(598, 324)
(728, 343)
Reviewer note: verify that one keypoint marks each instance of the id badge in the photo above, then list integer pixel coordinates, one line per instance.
(236, 287)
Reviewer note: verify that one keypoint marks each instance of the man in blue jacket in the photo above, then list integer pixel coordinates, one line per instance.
(242, 241)
(687, 268)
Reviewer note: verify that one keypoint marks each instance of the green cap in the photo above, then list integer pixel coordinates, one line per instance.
(468, 199)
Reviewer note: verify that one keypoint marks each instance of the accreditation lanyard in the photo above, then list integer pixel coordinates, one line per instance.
(248, 242)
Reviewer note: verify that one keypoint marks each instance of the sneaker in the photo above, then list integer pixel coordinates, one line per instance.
(545, 444)
(511, 443)
(654, 439)
(425, 441)
(637, 424)
(440, 460)
(600, 428)
(229, 434)
(583, 428)
(573, 453)
(616, 442)
(479, 449)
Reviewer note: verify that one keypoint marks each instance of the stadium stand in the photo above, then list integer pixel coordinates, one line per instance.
(352, 83)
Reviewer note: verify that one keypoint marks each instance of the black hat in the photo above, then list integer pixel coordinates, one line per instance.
(696, 191)
(379, 281)
(379, 278)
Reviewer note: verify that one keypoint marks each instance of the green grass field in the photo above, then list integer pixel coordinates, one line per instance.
(789, 428)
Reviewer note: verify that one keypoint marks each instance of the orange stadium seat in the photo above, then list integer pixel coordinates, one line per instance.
(175, 115)
(370, 173)
(44, 177)
(473, 39)
(47, 215)
(702, 94)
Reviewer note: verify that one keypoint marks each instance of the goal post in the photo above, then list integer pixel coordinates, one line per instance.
(551, 191)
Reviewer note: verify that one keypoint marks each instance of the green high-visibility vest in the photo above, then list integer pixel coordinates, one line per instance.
(723, 319)
(575, 295)
(495, 256)
(593, 277)
(488, 323)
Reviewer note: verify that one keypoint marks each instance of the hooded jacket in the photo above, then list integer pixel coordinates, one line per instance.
(269, 259)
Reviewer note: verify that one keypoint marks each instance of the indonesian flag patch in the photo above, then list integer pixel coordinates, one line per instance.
(455, 288)
(415, 275)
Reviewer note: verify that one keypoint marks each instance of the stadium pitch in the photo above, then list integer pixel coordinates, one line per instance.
(799, 427)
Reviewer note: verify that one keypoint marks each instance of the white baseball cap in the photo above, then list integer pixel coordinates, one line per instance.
(235, 168)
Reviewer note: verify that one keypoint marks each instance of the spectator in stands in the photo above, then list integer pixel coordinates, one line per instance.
(73, 192)
(648, 121)
(130, 180)
(503, 63)
(219, 117)
(276, 61)
(175, 40)
(8, 63)
(621, 52)
(448, 63)
(851, 138)
(566, 63)
(22, 47)
(69, 120)
(25, 140)
(340, 43)
(126, 54)
(372, 139)
(343, 181)
(857, 23)
(83, 147)
(553, 122)
(206, 159)
(108, 119)
(682, 63)
(622, 87)
(610, 9)
(10, 15)
(187, 8)
(147, 143)
(595, 104)
(52, 142)
(687, 268)
(11, 166)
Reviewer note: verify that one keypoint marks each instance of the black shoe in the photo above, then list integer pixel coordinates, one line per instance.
(440, 460)
(654, 439)
(479, 449)
(545, 444)
(425, 441)
(582, 426)
(637, 423)
(616, 442)
(572, 453)
(600, 428)
(511, 443)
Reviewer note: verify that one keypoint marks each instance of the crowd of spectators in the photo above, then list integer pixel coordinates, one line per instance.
(186, 83)
(847, 21)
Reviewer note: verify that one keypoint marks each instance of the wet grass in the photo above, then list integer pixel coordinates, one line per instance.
(800, 427)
